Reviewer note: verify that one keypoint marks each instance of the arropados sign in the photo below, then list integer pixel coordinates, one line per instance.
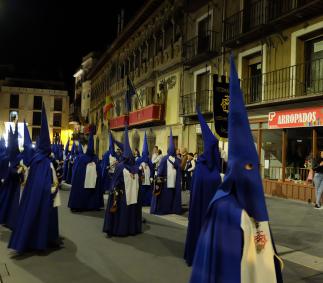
(306, 117)
(220, 106)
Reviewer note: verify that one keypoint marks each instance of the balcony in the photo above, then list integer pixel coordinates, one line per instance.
(118, 122)
(74, 114)
(264, 17)
(201, 48)
(299, 82)
(203, 99)
(153, 113)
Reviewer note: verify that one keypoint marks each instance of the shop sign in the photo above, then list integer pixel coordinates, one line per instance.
(220, 106)
(307, 117)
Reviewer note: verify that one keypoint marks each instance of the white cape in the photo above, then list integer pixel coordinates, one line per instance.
(131, 185)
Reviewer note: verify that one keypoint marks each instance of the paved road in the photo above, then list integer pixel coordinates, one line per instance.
(88, 256)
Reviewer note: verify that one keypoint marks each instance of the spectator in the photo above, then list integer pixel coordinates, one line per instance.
(178, 153)
(188, 171)
(136, 154)
(183, 164)
(318, 178)
(196, 155)
(155, 153)
(157, 161)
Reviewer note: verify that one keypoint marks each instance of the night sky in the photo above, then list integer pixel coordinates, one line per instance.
(46, 39)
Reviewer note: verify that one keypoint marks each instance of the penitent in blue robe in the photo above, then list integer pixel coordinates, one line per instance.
(205, 182)
(235, 243)
(84, 199)
(169, 201)
(204, 185)
(106, 175)
(10, 190)
(4, 168)
(9, 198)
(37, 221)
(127, 219)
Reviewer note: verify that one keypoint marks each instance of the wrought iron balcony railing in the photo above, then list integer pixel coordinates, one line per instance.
(264, 16)
(294, 82)
(203, 99)
(201, 46)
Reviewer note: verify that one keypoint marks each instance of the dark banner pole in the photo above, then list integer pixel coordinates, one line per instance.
(220, 106)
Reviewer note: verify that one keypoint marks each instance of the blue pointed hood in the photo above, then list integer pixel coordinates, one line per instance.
(80, 148)
(211, 153)
(27, 139)
(145, 149)
(111, 145)
(90, 145)
(73, 148)
(67, 146)
(171, 146)
(14, 146)
(243, 178)
(2, 148)
(10, 138)
(37, 142)
(2, 145)
(127, 152)
(44, 145)
(28, 146)
(119, 144)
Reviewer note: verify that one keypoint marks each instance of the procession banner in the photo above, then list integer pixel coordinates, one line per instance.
(220, 106)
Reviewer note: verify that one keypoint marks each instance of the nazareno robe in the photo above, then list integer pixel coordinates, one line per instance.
(10, 196)
(223, 236)
(70, 165)
(81, 198)
(65, 166)
(4, 168)
(204, 185)
(127, 219)
(37, 221)
(169, 201)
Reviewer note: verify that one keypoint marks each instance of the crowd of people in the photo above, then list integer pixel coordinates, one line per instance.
(228, 236)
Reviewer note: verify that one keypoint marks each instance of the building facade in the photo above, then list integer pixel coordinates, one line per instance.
(278, 46)
(80, 108)
(148, 51)
(173, 50)
(22, 99)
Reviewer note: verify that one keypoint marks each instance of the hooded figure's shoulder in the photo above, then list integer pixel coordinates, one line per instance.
(227, 207)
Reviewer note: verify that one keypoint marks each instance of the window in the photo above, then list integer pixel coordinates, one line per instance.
(252, 81)
(14, 101)
(202, 91)
(35, 133)
(57, 119)
(151, 139)
(204, 34)
(36, 118)
(314, 68)
(38, 101)
(135, 140)
(199, 144)
(271, 154)
(320, 139)
(58, 104)
(299, 148)
(13, 116)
